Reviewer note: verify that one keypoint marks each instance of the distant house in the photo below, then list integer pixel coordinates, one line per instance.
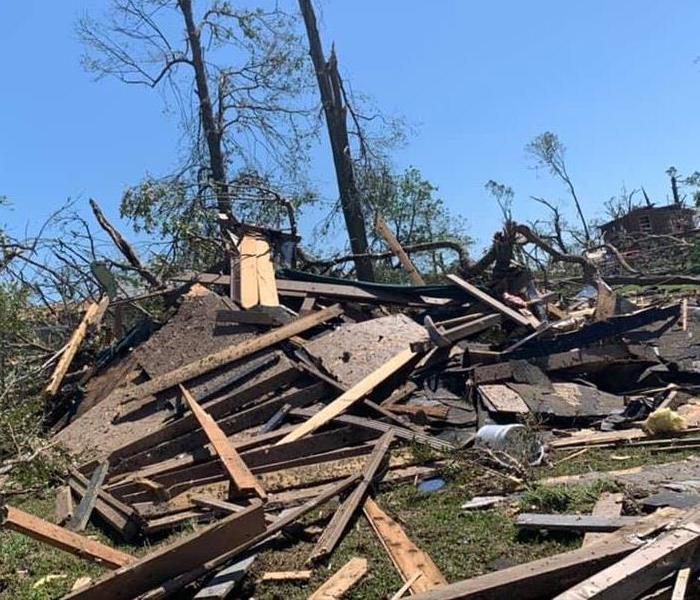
(673, 219)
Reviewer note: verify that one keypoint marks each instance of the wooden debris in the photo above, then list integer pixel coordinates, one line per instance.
(558, 522)
(406, 556)
(342, 580)
(286, 576)
(82, 513)
(353, 395)
(48, 533)
(608, 505)
(224, 582)
(680, 586)
(339, 522)
(64, 505)
(92, 317)
(163, 564)
(241, 477)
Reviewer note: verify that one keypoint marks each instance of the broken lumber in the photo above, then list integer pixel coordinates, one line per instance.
(162, 565)
(223, 583)
(247, 249)
(396, 248)
(286, 575)
(557, 522)
(82, 514)
(636, 573)
(267, 287)
(241, 477)
(342, 580)
(227, 355)
(93, 315)
(48, 533)
(353, 395)
(547, 576)
(680, 586)
(493, 303)
(608, 505)
(406, 556)
(339, 522)
(64, 505)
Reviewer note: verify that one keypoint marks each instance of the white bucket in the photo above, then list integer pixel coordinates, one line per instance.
(515, 440)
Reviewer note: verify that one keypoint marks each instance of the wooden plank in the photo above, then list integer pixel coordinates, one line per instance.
(93, 315)
(248, 272)
(472, 327)
(608, 505)
(223, 583)
(185, 554)
(406, 586)
(82, 514)
(267, 287)
(342, 580)
(241, 477)
(59, 537)
(286, 576)
(406, 262)
(491, 302)
(176, 583)
(353, 395)
(606, 302)
(680, 586)
(228, 355)
(545, 577)
(636, 573)
(247, 317)
(406, 556)
(556, 522)
(500, 398)
(64, 505)
(341, 518)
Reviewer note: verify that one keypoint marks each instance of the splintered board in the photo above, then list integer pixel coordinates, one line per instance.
(257, 273)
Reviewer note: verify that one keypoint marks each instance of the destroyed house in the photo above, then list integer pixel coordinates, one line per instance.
(672, 219)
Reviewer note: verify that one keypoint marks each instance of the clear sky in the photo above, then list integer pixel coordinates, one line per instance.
(617, 80)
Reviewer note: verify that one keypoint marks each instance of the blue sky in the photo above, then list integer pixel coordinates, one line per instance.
(616, 80)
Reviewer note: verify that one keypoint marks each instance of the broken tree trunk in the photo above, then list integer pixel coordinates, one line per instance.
(125, 247)
(93, 315)
(241, 477)
(388, 235)
(332, 99)
(34, 527)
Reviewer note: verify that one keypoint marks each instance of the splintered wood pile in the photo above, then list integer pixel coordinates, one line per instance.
(261, 399)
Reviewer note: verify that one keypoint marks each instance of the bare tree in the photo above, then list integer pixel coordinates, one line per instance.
(236, 75)
(335, 108)
(548, 151)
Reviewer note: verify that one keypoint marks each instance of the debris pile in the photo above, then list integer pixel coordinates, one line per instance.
(266, 394)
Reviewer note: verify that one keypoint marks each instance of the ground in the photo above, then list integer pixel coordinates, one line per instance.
(463, 544)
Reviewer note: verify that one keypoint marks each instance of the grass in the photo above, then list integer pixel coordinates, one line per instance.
(463, 544)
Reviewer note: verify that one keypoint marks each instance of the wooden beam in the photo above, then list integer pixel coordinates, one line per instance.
(492, 302)
(641, 570)
(228, 355)
(93, 315)
(545, 577)
(248, 272)
(223, 583)
(342, 580)
(406, 262)
(556, 522)
(267, 286)
(608, 505)
(304, 575)
(680, 585)
(339, 522)
(187, 553)
(401, 592)
(406, 556)
(173, 585)
(82, 514)
(48, 533)
(353, 395)
(241, 477)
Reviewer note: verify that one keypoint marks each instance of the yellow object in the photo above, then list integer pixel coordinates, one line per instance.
(664, 420)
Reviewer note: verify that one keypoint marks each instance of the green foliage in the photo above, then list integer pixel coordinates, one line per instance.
(565, 498)
(415, 213)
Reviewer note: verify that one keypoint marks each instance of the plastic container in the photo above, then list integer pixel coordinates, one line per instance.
(516, 440)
